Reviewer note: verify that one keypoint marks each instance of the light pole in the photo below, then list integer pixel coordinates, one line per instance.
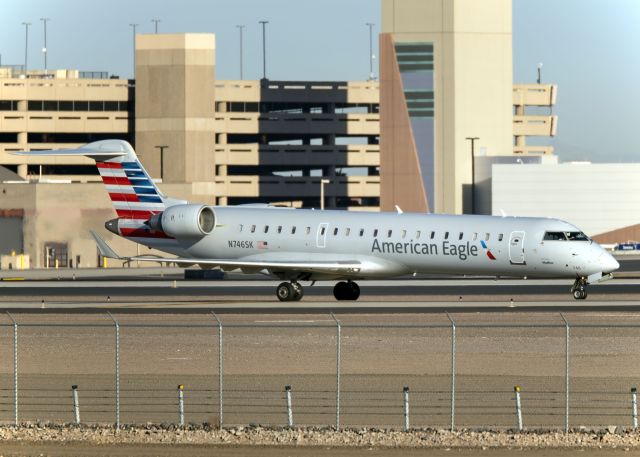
(473, 172)
(155, 21)
(26, 44)
(264, 48)
(162, 148)
(240, 28)
(323, 181)
(134, 26)
(370, 25)
(45, 50)
(540, 73)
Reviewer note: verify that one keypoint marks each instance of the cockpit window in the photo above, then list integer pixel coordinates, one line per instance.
(576, 236)
(565, 236)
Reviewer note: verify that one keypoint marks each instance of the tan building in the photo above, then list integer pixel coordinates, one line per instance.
(216, 142)
(447, 95)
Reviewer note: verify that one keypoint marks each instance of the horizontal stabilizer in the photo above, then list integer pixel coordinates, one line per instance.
(98, 150)
(104, 248)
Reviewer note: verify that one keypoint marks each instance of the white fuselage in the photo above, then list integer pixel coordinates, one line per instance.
(392, 244)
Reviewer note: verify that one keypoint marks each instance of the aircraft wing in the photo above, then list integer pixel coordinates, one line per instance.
(315, 266)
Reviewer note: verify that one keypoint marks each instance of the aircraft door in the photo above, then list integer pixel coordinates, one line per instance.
(516, 248)
(321, 236)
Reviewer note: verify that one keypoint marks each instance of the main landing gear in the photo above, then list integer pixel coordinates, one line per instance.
(289, 291)
(579, 289)
(292, 291)
(348, 290)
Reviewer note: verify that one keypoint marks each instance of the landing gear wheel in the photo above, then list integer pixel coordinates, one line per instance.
(298, 291)
(289, 291)
(579, 289)
(346, 291)
(285, 291)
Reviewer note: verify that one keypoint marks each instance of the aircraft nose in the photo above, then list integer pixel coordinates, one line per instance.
(608, 263)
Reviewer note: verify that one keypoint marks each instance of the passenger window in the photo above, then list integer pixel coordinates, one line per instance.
(266, 228)
(322, 230)
(361, 232)
(404, 234)
(347, 231)
(446, 235)
(308, 230)
(487, 236)
(253, 229)
(500, 237)
(433, 235)
(460, 236)
(375, 233)
(293, 230)
(418, 235)
(335, 231)
(240, 227)
(389, 233)
(279, 228)
(475, 236)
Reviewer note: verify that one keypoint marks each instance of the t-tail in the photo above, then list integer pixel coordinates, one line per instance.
(134, 195)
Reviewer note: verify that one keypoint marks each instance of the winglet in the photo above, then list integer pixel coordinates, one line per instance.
(104, 248)
(399, 210)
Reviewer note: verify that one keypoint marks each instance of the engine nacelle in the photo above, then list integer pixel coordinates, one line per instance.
(185, 221)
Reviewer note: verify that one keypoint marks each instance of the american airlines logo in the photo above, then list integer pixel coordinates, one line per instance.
(462, 250)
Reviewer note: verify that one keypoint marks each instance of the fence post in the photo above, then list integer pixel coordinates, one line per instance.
(634, 407)
(339, 332)
(15, 368)
(566, 375)
(117, 362)
(516, 389)
(405, 393)
(220, 367)
(76, 403)
(181, 404)
(453, 372)
(287, 390)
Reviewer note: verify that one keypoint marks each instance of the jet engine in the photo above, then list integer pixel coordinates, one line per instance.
(184, 221)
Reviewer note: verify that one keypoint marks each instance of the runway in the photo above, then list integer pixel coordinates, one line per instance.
(236, 294)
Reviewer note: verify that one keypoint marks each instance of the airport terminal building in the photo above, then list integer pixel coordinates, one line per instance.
(425, 137)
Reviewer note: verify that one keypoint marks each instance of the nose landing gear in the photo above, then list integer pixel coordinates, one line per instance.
(289, 291)
(346, 290)
(579, 289)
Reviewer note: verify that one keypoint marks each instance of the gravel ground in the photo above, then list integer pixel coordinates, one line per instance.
(608, 438)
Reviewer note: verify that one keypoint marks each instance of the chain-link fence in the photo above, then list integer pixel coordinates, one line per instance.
(326, 370)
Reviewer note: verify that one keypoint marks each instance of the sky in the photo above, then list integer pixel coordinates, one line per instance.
(590, 48)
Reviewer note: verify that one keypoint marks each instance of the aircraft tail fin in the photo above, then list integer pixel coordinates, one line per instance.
(132, 191)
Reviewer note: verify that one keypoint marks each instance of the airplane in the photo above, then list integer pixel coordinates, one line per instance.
(296, 245)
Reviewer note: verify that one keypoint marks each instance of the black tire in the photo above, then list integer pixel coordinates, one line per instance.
(298, 291)
(577, 294)
(354, 290)
(285, 292)
(340, 290)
